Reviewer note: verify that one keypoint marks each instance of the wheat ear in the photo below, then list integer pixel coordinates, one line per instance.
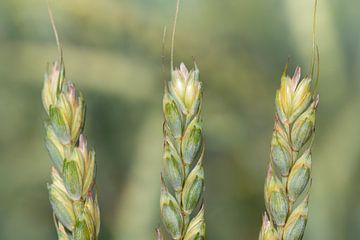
(183, 186)
(72, 191)
(183, 156)
(289, 173)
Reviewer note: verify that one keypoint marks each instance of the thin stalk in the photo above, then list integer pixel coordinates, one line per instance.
(173, 34)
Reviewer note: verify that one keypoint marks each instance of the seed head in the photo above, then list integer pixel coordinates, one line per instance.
(293, 97)
(186, 88)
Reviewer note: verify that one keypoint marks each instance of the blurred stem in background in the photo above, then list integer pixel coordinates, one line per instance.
(337, 164)
(134, 218)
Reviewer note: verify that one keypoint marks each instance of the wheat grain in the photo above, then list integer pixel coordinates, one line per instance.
(72, 191)
(289, 172)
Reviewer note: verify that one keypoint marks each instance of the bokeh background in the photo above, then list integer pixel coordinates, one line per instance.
(113, 53)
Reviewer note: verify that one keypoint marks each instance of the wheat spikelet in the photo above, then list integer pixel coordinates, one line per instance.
(72, 191)
(289, 172)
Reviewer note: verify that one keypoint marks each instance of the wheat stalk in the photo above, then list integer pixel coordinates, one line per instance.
(289, 173)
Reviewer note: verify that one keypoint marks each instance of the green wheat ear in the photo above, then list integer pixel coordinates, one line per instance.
(72, 191)
(289, 172)
(183, 172)
(288, 178)
(183, 156)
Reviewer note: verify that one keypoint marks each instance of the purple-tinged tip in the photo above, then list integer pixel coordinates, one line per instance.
(158, 234)
(53, 170)
(317, 99)
(82, 143)
(55, 66)
(269, 173)
(71, 90)
(184, 71)
(296, 78)
(265, 220)
(54, 72)
(270, 170)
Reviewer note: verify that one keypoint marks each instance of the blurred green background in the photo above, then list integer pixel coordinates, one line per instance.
(113, 53)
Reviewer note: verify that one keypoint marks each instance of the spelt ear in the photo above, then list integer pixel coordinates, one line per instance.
(72, 191)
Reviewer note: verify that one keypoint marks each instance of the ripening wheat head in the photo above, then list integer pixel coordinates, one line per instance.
(72, 191)
(183, 157)
(289, 173)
